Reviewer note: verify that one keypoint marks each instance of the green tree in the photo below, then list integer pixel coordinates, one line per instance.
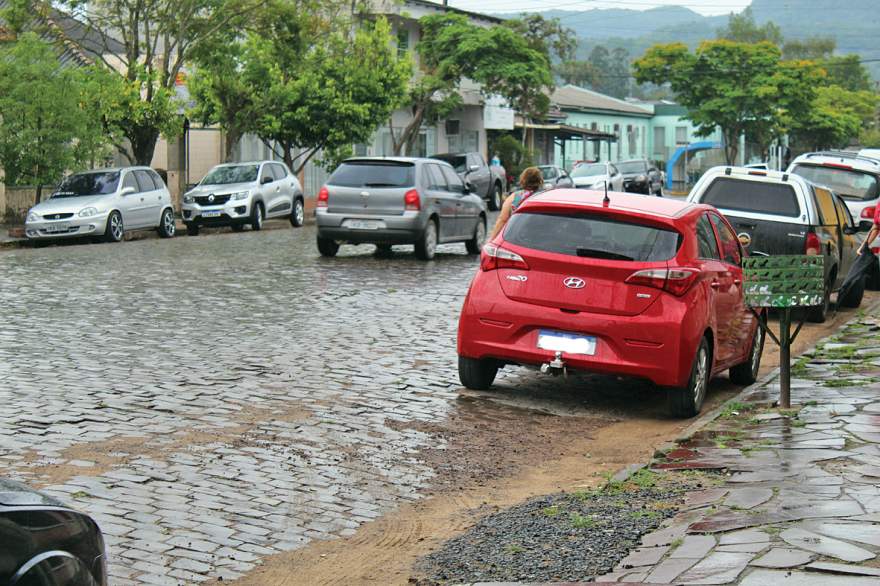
(47, 120)
(836, 116)
(579, 73)
(147, 43)
(740, 88)
(546, 35)
(312, 97)
(811, 49)
(847, 72)
(742, 28)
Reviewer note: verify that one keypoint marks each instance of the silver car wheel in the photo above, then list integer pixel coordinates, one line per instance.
(431, 238)
(481, 233)
(300, 212)
(168, 223)
(702, 376)
(116, 228)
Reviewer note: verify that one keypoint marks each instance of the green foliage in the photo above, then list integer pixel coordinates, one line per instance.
(742, 28)
(322, 94)
(579, 73)
(737, 87)
(550, 511)
(847, 72)
(546, 35)
(514, 156)
(836, 116)
(811, 49)
(48, 123)
(579, 521)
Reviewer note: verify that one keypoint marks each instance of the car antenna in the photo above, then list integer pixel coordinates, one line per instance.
(606, 201)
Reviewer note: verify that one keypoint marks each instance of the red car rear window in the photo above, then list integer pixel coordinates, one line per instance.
(592, 236)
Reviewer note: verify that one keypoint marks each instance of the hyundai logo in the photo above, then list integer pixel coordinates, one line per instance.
(574, 283)
(211, 198)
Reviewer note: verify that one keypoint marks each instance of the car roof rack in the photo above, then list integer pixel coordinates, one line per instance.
(844, 154)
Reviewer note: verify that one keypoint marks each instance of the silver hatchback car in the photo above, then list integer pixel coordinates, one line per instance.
(105, 203)
(398, 200)
(237, 194)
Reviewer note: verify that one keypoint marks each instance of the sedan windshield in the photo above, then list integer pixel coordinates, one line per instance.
(228, 174)
(88, 184)
(848, 183)
(590, 170)
(632, 167)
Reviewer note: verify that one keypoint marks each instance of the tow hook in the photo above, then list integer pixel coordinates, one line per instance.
(555, 367)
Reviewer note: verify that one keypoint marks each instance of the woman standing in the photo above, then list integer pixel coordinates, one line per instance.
(530, 181)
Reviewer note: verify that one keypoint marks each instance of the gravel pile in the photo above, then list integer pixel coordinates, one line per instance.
(561, 537)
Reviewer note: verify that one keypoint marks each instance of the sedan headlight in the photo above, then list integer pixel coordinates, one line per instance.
(88, 212)
(188, 198)
(240, 195)
(33, 217)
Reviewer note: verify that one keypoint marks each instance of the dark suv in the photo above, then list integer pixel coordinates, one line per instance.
(641, 176)
(782, 213)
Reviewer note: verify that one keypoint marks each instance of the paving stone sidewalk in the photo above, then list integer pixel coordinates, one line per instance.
(797, 495)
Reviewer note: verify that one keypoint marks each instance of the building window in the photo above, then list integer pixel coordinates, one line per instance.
(660, 142)
(402, 41)
(681, 135)
(594, 126)
(631, 137)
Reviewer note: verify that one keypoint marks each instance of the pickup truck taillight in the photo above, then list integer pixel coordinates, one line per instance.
(494, 257)
(813, 245)
(323, 197)
(676, 281)
(868, 213)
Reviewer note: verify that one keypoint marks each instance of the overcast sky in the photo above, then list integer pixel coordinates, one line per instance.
(701, 6)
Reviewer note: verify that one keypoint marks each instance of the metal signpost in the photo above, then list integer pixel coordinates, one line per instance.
(783, 283)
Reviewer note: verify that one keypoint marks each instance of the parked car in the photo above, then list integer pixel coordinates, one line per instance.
(760, 166)
(240, 194)
(783, 213)
(106, 203)
(642, 287)
(555, 177)
(641, 176)
(45, 543)
(398, 200)
(853, 177)
(595, 175)
(488, 182)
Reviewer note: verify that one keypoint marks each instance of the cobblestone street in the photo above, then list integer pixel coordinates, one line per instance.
(213, 400)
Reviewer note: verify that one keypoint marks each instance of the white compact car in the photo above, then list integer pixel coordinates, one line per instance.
(239, 194)
(105, 203)
(596, 176)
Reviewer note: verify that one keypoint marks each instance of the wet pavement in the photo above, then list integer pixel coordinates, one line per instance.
(796, 494)
(215, 400)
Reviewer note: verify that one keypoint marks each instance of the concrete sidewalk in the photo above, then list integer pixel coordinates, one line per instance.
(792, 498)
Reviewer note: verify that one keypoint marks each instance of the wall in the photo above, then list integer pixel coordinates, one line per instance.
(19, 200)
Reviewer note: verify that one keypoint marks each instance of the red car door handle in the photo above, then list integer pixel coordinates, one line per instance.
(715, 284)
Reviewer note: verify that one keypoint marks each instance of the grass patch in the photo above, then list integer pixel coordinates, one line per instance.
(514, 548)
(80, 494)
(550, 511)
(841, 382)
(644, 478)
(736, 408)
(579, 521)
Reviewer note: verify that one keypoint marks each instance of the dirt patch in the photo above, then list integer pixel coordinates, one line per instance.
(118, 451)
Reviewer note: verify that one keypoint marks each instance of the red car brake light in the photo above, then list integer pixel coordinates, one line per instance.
(494, 257)
(412, 201)
(813, 246)
(676, 281)
(868, 213)
(323, 197)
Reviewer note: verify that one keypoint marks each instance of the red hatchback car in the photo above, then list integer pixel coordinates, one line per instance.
(639, 286)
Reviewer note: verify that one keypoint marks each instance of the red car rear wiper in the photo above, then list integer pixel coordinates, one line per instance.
(593, 253)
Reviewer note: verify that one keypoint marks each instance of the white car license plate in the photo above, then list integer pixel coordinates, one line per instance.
(364, 224)
(567, 343)
(212, 214)
(57, 228)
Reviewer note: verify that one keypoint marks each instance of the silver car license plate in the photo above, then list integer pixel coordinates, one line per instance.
(567, 343)
(213, 214)
(57, 228)
(364, 224)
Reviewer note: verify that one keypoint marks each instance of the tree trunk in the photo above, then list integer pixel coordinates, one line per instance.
(230, 140)
(731, 147)
(408, 137)
(143, 144)
(39, 193)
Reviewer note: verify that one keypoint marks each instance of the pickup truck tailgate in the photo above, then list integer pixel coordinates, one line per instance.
(768, 236)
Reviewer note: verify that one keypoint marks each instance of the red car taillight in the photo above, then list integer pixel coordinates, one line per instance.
(813, 245)
(868, 213)
(323, 197)
(412, 201)
(494, 257)
(675, 281)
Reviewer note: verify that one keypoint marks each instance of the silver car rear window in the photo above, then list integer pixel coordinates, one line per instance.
(592, 236)
(373, 174)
